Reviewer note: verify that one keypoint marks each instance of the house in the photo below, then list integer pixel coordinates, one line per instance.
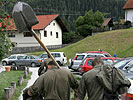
(49, 29)
(128, 7)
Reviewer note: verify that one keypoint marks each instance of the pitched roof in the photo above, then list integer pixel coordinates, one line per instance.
(106, 21)
(128, 5)
(44, 20)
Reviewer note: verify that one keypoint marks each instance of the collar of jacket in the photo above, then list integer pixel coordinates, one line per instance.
(55, 67)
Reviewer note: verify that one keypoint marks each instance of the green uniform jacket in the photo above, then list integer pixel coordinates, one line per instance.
(90, 84)
(99, 80)
(55, 84)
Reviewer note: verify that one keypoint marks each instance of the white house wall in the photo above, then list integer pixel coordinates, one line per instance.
(129, 15)
(24, 41)
(51, 39)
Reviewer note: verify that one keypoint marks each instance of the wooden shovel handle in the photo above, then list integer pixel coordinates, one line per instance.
(44, 47)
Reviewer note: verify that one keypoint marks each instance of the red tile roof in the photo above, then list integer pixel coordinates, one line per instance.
(106, 21)
(44, 20)
(128, 5)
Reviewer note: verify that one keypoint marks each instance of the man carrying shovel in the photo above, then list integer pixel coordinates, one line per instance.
(55, 84)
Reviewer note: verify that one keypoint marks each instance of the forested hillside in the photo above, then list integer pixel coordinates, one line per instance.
(69, 10)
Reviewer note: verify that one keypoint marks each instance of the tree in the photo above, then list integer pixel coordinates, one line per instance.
(85, 24)
(5, 44)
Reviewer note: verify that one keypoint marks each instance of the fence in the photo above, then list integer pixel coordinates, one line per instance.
(35, 49)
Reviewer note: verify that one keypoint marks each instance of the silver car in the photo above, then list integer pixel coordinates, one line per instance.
(28, 60)
(7, 61)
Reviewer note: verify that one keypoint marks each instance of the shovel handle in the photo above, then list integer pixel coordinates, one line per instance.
(44, 47)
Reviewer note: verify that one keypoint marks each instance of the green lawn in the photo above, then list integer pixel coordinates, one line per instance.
(118, 42)
(7, 77)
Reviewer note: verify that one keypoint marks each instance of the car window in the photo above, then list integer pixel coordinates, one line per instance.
(90, 56)
(83, 62)
(43, 56)
(120, 64)
(79, 57)
(57, 55)
(12, 57)
(20, 57)
(31, 57)
(107, 61)
(27, 57)
(106, 55)
(129, 65)
(89, 62)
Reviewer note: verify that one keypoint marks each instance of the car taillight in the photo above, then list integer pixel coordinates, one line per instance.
(39, 60)
(127, 96)
(75, 58)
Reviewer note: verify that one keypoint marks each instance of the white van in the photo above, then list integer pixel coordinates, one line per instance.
(60, 57)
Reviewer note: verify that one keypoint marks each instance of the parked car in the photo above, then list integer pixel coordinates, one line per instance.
(74, 64)
(86, 64)
(126, 65)
(11, 58)
(100, 52)
(28, 60)
(60, 57)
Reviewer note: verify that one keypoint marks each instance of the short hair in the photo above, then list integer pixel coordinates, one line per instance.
(97, 61)
(52, 63)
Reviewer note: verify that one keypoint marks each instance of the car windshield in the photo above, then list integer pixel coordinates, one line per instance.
(106, 55)
(107, 61)
(12, 57)
(120, 64)
(83, 62)
(43, 56)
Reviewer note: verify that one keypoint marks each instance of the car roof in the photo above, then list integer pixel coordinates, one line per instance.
(88, 54)
(18, 54)
(104, 58)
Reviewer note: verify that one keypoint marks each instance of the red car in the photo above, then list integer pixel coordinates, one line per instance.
(86, 64)
(101, 52)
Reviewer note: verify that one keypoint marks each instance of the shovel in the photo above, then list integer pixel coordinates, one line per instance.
(24, 18)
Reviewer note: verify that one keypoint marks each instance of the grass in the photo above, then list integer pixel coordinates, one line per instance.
(118, 42)
(7, 77)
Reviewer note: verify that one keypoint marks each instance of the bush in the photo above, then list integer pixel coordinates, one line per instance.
(70, 37)
(127, 23)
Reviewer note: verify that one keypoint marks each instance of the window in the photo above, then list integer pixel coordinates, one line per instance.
(11, 34)
(51, 33)
(27, 34)
(45, 33)
(57, 35)
(53, 24)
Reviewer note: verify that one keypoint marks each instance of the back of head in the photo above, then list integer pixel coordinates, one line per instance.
(52, 63)
(97, 61)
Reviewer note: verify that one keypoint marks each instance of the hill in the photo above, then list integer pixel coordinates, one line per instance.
(118, 42)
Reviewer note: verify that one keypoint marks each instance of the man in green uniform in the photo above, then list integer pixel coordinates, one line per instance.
(97, 82)
(54, 84)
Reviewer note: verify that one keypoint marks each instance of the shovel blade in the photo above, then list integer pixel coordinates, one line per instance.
(24, 17)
